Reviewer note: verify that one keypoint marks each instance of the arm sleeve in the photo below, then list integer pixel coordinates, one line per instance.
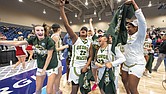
(119, 57)
(51, 44)
(142, 26)
(30, 40)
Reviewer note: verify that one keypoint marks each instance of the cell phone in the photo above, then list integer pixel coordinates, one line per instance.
(66, 2)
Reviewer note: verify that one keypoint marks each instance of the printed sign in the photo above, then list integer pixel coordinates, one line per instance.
(23, 83)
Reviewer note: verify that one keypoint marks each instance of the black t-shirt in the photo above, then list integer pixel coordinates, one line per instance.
(162, 47)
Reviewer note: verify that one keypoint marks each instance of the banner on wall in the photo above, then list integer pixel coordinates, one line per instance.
(23, 83)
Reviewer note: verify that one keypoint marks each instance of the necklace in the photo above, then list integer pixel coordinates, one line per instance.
(102, 49)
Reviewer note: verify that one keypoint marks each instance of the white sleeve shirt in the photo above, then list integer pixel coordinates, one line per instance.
(134, 47)
(119, 58)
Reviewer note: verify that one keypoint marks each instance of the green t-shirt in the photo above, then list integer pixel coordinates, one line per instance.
(40, 48)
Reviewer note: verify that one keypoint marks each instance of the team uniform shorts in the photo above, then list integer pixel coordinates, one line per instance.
(59, 64)
(48, 72)
(145, 52)
(93, 65)
(74, 74)
(136, 70)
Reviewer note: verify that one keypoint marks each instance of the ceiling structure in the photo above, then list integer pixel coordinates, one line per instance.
(78, 6)
(106, 7)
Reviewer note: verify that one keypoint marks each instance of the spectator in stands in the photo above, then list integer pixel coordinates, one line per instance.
(162, 53)
(148, 54)
(2, 37)
(3, 47)
(19, 33)
(21, 53)
(47, 62)
(158, 41)
(153, 41)
(6, 29)
(66, 41)
(67, 53)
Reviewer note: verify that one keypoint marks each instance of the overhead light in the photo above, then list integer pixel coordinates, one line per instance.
(71, 22)
(20, 0)
(150, 4)
(84, 20)
(75, 14)
(99, 18)
(60, 18)
(44, 11)
(94, 12)
(86, 2)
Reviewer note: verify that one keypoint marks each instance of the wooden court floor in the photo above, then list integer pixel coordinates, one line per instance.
(147, 85)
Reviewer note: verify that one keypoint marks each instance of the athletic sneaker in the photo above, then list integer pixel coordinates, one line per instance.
(68, 83)
(59, 92)
(155, 70)
(164, 81)
(147, 74)
(94, 86)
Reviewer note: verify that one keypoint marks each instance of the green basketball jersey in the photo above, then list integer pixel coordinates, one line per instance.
(40, 48)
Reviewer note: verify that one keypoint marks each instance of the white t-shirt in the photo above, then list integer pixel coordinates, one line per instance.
(133, 50)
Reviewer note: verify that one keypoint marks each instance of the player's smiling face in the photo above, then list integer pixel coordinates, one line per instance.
(131, 29)
(83, 33)
(89, 33)
(102, 39)
(39, 31)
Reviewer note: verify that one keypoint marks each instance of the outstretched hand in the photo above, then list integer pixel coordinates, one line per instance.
(129, 1)
(61, 2)
(84, 69)
(108, 65)
(132, 2)
(90, 20)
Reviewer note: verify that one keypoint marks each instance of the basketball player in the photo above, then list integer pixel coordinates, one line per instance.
(47, 62)
(107, 63)
(58, 44)
(134, 66)
(81, 51)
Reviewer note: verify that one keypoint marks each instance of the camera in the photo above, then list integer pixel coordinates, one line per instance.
(66, 2)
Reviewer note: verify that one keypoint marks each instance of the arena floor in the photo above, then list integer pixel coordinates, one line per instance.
(147, 85)
(7, 71)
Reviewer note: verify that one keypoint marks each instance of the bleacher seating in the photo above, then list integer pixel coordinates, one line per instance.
(12, 32)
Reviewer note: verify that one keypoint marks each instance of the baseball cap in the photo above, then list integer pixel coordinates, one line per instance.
(84, 28)
(100, 31)
(134, 22)
(162, 33)
(103, 35)
(55, 26)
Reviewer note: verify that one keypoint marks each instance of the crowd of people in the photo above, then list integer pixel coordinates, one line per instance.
(89, 56)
